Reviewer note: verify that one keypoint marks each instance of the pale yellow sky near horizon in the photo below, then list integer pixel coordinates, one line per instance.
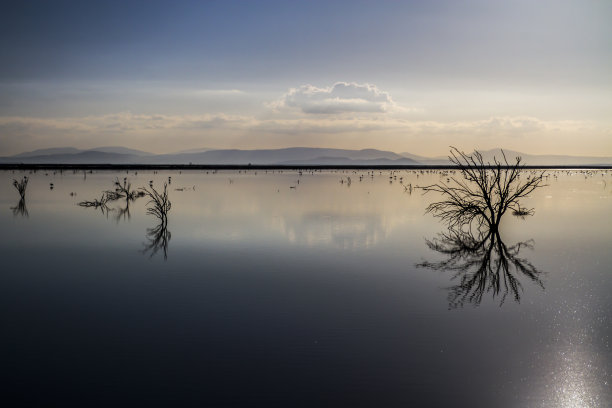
(343, 115)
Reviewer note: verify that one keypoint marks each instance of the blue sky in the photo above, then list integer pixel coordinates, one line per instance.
(403, 76)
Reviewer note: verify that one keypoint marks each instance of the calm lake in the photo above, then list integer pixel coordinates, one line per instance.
(281, 289)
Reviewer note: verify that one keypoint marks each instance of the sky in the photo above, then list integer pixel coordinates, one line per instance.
(405, 76)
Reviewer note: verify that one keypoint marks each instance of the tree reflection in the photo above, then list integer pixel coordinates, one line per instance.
(20, 209)
(158, 238)
(123, 212)
(482, 264)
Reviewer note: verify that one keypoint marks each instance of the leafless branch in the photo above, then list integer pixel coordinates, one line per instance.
(484, 193)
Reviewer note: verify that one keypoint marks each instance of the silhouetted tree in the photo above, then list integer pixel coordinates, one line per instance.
(484, 193)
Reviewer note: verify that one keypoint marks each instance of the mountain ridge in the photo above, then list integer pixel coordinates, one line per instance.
(284, 156)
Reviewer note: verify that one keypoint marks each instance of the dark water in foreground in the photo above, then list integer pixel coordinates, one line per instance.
(306, 296)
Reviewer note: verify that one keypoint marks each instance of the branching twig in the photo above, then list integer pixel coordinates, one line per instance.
(484, 193)
(159, 205)
(21, 186)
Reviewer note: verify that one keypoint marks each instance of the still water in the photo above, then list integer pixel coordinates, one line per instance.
(287, 289)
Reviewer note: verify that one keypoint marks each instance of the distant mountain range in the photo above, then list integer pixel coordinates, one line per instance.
(302, 156)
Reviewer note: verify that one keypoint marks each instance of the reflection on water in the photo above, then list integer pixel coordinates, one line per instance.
(20, 209)
(303, 296)
(481, 265)
(336, 230)
(158, 238)
(122, 212)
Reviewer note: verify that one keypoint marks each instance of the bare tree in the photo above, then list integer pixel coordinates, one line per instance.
(159, 204)
(484, 193)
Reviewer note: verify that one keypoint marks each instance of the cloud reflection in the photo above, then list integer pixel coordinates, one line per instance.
(337, 230)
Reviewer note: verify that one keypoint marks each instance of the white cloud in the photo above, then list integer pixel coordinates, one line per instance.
(126, 123)
(342, 97)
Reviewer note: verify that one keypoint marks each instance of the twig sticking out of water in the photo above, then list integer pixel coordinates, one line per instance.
(124, 190)
(97, 203)
(159, 205)
(21, 186)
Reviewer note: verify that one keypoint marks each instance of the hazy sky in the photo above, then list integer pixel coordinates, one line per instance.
(415, 76)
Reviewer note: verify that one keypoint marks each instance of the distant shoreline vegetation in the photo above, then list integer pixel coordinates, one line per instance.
(84, 166)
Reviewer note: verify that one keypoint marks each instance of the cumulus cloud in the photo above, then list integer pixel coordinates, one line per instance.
(342, 97)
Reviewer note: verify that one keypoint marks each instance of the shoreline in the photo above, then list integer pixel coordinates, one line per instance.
(56, 166)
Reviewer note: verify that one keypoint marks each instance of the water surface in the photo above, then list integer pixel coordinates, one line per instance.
(289, 289)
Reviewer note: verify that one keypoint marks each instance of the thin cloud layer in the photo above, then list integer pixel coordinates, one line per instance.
(342, 97)
(166, 133)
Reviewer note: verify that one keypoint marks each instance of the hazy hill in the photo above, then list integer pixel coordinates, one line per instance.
(295, 155)
(530, 159)
(86, 157)
(345, 161)
(121, 150)
(48, 152)
(58, 152)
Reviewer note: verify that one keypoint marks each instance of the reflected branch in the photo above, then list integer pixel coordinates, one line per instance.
(20, 209)
(158, 238)
(482, 264)
(123, 213)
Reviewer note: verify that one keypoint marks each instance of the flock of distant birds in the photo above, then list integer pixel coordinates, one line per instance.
(344, 180)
